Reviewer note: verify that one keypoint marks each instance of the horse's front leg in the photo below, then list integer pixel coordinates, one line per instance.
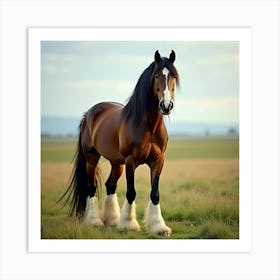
(153, 218)
(128, 212)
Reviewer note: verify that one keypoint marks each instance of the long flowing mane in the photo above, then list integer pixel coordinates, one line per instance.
(142, 99)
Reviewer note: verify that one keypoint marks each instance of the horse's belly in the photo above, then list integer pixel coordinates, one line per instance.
(108, 148)
(105, 137)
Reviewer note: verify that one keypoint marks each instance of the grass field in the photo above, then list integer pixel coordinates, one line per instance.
(199, 191)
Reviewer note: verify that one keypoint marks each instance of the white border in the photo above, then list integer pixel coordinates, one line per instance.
(243, 35)
(263, 260)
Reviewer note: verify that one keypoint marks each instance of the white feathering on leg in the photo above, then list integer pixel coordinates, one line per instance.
(128, 217)
(92, 213)
(154, 220)
(111, 210)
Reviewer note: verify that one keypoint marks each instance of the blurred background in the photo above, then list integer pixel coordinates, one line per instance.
(78, 74)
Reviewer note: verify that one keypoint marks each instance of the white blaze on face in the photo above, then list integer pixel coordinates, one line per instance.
(167, 95)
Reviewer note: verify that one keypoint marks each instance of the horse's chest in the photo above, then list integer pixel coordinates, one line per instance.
(145, 151)
(141, 144)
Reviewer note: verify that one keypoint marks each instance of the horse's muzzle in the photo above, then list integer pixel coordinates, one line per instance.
(166, 108)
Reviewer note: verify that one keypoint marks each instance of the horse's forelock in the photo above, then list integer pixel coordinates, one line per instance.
(165, 63)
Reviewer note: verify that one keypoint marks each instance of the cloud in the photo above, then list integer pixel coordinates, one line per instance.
(101, 85)
(78, 74)
(57, 58)
(218, 59)
(53, 63)
(51, 69)
(123, 58)
(211, 110)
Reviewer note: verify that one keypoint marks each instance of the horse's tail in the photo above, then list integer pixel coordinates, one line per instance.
(76, 194)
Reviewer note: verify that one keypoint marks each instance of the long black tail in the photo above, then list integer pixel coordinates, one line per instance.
(76, 194)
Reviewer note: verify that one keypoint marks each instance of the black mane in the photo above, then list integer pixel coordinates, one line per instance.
(142, 99)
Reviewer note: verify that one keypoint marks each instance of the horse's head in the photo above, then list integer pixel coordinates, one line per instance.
(165, 79)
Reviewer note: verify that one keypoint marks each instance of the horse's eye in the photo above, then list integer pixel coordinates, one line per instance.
(156, 76)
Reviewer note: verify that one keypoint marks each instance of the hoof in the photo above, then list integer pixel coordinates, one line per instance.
(111, 210)
(92, 215)
(95, 222)
(128, 217)
(112, 222)
(155, 222)
(128, 225)
(165, 233)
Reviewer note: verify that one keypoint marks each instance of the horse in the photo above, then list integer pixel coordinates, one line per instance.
(127, 136)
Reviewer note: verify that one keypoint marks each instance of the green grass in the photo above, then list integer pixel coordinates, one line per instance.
(58, 149)
(63, 149)
(199, 190)
(202, 148)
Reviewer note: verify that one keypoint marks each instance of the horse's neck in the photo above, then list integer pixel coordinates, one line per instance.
(154, 120)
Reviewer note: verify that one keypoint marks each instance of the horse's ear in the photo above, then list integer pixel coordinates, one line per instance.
(172, 56)
(157, 57)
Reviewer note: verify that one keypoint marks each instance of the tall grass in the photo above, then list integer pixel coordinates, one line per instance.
(199, 196)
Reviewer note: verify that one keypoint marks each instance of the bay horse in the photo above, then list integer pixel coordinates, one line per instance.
(128, 136)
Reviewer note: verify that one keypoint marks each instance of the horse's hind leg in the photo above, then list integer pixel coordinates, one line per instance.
(111, 208)
(92, 213)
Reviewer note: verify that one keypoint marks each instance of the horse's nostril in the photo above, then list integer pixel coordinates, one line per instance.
(171, 105)
(161, 105)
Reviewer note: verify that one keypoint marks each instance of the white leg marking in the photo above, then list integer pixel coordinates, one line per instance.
(128, 217)
(111, 210)
(92, 213)
(154, 220)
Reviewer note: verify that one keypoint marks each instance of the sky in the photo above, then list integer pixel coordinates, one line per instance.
(78, 74)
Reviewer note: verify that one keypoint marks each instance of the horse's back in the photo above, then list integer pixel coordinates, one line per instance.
(103, 107)
(98, 112)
